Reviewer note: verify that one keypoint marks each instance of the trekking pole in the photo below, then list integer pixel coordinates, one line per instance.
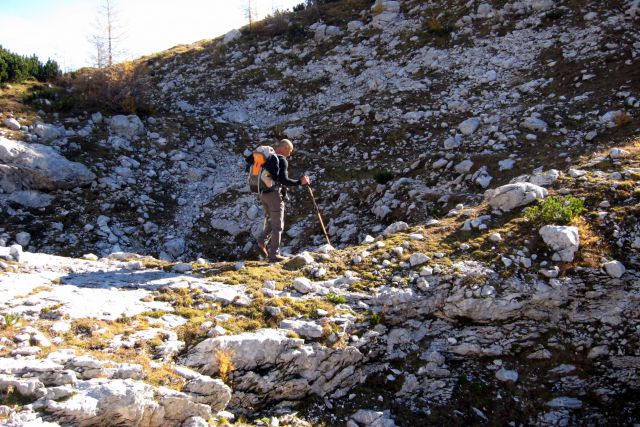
(318, 211)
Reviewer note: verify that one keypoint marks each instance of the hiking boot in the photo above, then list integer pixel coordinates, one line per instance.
(277, 258)
(263, 249)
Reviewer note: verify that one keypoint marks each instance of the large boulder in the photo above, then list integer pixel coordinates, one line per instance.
(510, 196)
(101, 402)
(38, 167)
(268, 366)
(31, 199)
(231, 36)
(565, 240)
(47, 131)
(385, 12)
(175, 247)
(213, 392)
(127, 126)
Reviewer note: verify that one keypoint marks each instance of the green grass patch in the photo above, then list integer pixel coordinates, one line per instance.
(556, 209)
(335, 298)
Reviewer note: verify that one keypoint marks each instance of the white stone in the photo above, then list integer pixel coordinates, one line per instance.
(565, 402)
(495, 237)
(46, 131)
(469, 126)
(15, 251)
(12, 123)
(418, 259)
(505, 375)
(303, 328)
(23, 238)
(614, 269)
(354, 26)
(565, 240)
(303, 285)
(618, 153)
(175, 247)
(127, 126)
(598, 351)
(510, 196)
(231, 36)
(182, 267)
(395, 228)
(506, 164)
(484, 9)
(31, 199)
(212, 392)
(464, 166)
(534, 124)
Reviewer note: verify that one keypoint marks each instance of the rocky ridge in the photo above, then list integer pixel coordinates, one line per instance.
(485, 314)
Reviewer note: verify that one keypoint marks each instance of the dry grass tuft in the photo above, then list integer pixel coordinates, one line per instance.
(120, 88)
(622, 118)
(225, 364)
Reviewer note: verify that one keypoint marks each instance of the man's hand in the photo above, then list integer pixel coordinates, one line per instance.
(305, 180)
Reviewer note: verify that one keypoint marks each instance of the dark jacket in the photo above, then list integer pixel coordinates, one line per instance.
(278, 167)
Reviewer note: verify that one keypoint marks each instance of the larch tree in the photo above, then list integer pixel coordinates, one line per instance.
(250, 9)
(108, 34)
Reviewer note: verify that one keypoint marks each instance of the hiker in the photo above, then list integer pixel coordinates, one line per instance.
(273, 195)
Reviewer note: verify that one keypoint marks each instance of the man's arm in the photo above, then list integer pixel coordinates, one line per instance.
(283, 174)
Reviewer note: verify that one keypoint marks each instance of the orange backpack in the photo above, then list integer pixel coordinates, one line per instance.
(259, 178)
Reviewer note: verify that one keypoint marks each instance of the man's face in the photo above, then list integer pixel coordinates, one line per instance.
(289, 151)
(285, 150)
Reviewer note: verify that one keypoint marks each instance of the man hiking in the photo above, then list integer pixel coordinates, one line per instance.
(273, 198)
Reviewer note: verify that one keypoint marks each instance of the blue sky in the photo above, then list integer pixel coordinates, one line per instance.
(60, 29)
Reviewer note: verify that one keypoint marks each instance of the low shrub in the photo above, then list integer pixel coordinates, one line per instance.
(438, 28)
(11, 319)
(375, 319)
(555, 210)
(18, 68)
(120, 88)
(554, 14)
(335, 298)
(51, 98)
(622, 118)
(382, 177)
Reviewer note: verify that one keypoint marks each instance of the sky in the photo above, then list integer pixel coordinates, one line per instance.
(61, 29)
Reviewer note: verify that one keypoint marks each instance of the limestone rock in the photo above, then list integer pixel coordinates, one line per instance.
(510, 196)
(303, 285)
(614, 269)
(395, 228)
(46, 131)
(31, 199)
(534, 124)
(287, 369)
(12, 124)
(127, 126)
(231, 36)
(505, 375)
(469, 126)
(124, 402)
(565, 240)
(303, 328)
(213, 392)
(38, 167)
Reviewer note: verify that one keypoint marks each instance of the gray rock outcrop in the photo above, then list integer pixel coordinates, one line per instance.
(38, 167)
(288, 369)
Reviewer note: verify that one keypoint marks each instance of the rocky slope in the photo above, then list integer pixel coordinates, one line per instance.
(427, 128)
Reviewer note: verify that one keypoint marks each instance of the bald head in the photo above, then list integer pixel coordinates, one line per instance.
(284, 148)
